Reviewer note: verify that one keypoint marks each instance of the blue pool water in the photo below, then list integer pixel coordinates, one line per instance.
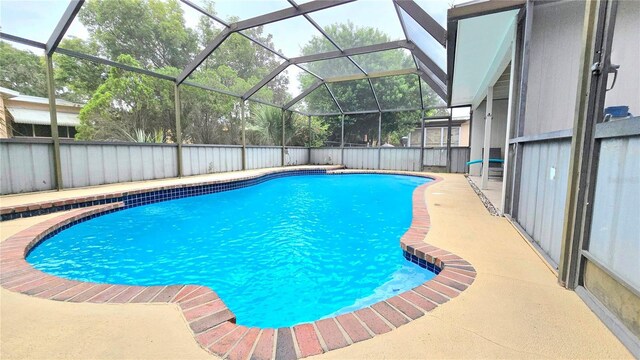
(289, 250)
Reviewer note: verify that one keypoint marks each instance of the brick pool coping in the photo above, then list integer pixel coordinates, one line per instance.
(213, 324)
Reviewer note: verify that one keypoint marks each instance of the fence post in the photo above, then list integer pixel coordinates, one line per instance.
(53, 116)
(310, 139)
(283, 140)
(449, 120)
(342, 140)
(379, 138)
(178, 128)
(244, 140)
(422, 140)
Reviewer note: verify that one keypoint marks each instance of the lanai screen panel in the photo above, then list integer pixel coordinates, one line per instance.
(361, 130)
(388, 60)
(235, 66)
(429, 97)
(436, 9)
(318, 102)
(234, 10)
(209, 117)
(163, 39)
(368, 22)
(282, 88)
(332, 68)
(398, 92)
(294, 37)
(401, 128)
(354, 95)
(34, 20)
(166, 39)
(430, 46)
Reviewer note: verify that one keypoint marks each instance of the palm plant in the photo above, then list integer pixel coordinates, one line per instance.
(140, 136)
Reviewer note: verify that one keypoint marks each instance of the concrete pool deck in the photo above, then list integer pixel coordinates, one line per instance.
(514, 309)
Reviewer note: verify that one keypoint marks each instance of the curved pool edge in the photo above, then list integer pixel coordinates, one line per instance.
(213, 324)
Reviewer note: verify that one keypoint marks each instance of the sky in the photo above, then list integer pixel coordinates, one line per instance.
(36, 19)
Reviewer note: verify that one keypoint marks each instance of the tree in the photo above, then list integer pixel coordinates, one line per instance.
(264, 127)
(394, 92)
(77, 80)
(22, 71)
(152, 34)
(127, 103)
(209, 117)
(151, 31)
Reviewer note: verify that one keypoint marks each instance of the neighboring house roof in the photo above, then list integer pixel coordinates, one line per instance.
(8, 93)
(44, 101)
(41, 117)
(26, 109)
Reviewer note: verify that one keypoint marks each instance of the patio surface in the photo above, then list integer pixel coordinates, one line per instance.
(515, 309)
(493, 192)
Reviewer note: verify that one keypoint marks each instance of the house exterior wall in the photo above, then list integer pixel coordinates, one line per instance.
(609, 264)
(625, 51)
(5, 130)
(553, 66)
(498, 131)
(465, 127)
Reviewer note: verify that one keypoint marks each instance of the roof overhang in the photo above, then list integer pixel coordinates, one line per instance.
(42, 117)
(8, 93)
(480, 40)
(482, 7)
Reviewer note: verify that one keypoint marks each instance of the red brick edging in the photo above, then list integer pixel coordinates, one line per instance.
(213, 324)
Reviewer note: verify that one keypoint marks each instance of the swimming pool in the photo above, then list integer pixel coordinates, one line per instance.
(287, 251)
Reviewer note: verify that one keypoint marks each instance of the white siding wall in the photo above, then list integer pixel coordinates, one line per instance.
(625, 51)
(553, 66)
(498, 131)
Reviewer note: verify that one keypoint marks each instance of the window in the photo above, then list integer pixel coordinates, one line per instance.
(22, 129)
(437, 136)
(62, 131)
(42, 130)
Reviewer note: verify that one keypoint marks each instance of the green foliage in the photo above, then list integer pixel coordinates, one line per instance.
(77, 80)
(152, 34)
(209, 117)
(319, 131)
(22, 71)
(264, 126)
(395, 92)
(152, 31)
(127, 102)
(297, 133)
(141, 136)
